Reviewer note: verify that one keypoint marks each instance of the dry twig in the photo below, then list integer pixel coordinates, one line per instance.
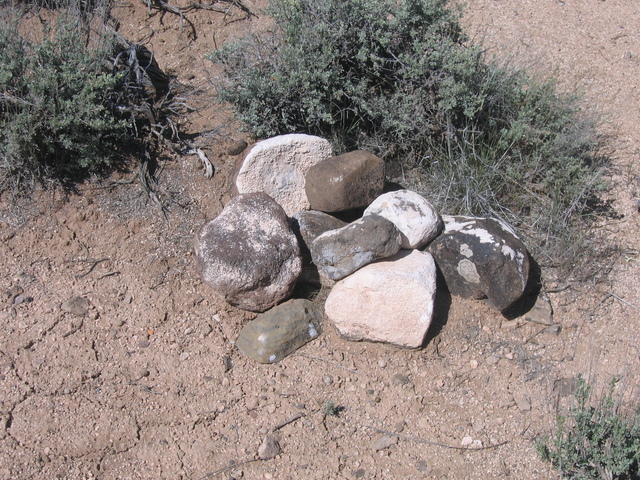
(436, 444)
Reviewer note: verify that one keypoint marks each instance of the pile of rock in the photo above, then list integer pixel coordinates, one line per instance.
(281, 231)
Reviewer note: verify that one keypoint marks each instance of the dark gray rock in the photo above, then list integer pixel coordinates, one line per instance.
(338, 253)
(248, 254)
(482, 258)
(309, 225)
(237, 147)
(312, 224)
(344, 182)
(280, 331)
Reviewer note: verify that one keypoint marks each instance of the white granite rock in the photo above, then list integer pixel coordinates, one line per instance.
(387, 301)
(414, 216)
(278, 166)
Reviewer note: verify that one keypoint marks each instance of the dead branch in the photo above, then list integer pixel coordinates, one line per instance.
(206, 163)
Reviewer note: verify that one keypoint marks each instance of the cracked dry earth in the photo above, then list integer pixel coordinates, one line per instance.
(141, 380)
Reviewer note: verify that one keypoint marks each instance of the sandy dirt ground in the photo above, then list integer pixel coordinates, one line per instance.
(116, 362)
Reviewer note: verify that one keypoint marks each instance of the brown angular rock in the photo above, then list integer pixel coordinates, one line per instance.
(248, 254)
(350, 180)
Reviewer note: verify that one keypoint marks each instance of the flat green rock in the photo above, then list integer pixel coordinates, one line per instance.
(280, 331)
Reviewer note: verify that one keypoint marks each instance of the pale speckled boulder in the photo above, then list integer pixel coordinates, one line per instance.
(338, 253)
(482, 258)
(388, 301)
(280, 331)
(248, 254)
(278, 166)
(413, 214)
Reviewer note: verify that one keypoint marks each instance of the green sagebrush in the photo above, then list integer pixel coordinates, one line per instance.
(400, 79)
(56, 117)
(594, 443)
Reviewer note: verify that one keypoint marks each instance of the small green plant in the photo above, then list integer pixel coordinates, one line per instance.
(400, 79)
(594, 443)
(330, 409)
(56, 118)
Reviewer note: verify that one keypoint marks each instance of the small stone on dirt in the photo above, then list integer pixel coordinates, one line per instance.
(76, 306)
(524, 404)
(237, 147)
(22, 298)
(269, 448)
(385, 441)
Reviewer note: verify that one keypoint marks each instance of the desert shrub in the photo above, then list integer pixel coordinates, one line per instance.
(56, 115)
(594, 443)
(400, 79)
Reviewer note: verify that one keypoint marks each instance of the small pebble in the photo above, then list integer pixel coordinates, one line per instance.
(269, 448)
(524, 404)
(327, 380)
(399, 426)
(385, 441)
(382, 363)
(493, 359)
(237, 147)
(473, 363)
(22, 298)
(143, 344)
(400, 379)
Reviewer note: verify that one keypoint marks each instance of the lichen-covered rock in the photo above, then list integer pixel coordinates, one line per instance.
(482, 257)
(278, 166)
(413, 214)
(278, 332)
(387, 301)
(350, 180)
(248, 254)
(338, 253)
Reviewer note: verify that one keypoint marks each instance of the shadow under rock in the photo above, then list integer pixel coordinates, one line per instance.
(441, 308)
(530, 295)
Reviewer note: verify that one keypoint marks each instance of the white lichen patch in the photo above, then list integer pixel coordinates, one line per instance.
(466, 251)
(468, 271)
(313, 333)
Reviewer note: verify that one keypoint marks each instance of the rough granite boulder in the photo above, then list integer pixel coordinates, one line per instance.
(482, 258)
(414, 216)
(350, 180)
(280, 331)
(338, 253)
(278, 166)
(387, 301)
(248, 254)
